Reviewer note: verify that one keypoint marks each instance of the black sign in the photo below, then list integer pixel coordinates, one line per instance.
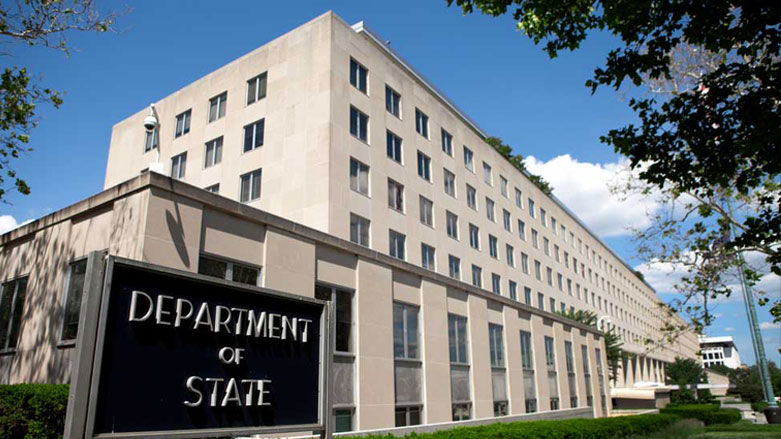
(181, 352)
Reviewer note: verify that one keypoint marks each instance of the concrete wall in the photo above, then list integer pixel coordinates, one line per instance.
(166, 222)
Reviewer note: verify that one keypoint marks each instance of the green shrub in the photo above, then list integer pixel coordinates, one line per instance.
(602, 428)
(708, 413)
(33, 411)
(758, 406)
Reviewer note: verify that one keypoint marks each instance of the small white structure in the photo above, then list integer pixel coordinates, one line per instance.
(719, 351)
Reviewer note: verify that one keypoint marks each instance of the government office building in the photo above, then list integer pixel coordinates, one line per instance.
(322, 164)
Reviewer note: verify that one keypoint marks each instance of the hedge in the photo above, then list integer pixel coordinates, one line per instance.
(601, 428)
(710, 414)
(32, 411)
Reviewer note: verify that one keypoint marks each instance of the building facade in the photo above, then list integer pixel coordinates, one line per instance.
(719, 351)
(337, 171)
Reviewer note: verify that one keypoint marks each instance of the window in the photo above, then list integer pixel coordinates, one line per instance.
(471, 197)
(393, 146)
(450, 183)
(253, 135)
(522, 230)
(213, 152)
(359, 124)
(183, 123)
(452, 224)
(421, 123)
(395, 195)
(546, 246)
(397, 244)
(527, 296)
(250, 186)
(489, 209)
(550, 355)
(525, 263)
(256, 88)
(513, 290)
(215, 188)
(178, 166)
(427, 256)
(424, 166)
(11, 309)
(477, 276)
(556, 253)
(537, 270)
(530, 203)
(518, 198)
(343, 420)
(553, 225)
(507, 220)
(447, 143)
(540, 301)
(496, 345)
(359, 230)
(487, 174)
(503, 186)
(543, 218)
(573, 390)
(496, 284)
(552, 303)
(227, 270)
(550, 362)
(535, 239)
(469, 157)
(474, 236)
(358, 75)
(359, 177)
(217, 106)
(406, 416)
(586, 375)
(405, 331)
(510, 252)
(73, 294)
(454, 267)
(527, 363)
(392, 101)
(457, 334)
(549, 275)
(493, 246)
(343, 302)
(152, 139)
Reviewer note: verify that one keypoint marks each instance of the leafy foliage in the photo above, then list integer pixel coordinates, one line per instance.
(707, 137)
(710, 414)
(747, 384)
(517, 161)
(685, 372)
(35, 23)
(33, 411)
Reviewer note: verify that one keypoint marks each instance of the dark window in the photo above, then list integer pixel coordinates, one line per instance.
(343, 301)
(253, 135)
(358, 75)
(406, 416)
(213, 152)
(178, 166)
(183, 123)
(11, 308)
(392, 101)
(393, 146)
(75, 289)
(217, 106)
(256, 88)
(250, 186)
(229, 270)
(152, 139)
(421, 123)
(359, 124)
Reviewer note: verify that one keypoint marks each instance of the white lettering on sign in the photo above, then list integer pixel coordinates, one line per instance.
(181, 313)
(222, 393)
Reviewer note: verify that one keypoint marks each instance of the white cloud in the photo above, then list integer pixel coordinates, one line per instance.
(729, 329)
(7, 223)
(583, 187)
(769, 325)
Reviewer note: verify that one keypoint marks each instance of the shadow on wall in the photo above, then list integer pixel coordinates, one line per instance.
(177, 234)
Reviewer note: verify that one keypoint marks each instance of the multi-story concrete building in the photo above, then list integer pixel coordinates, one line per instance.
(719, 351)
(341, 172)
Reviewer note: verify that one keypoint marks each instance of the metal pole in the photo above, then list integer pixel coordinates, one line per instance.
(756, 334)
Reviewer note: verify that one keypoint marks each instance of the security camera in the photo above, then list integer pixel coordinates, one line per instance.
(150, 121)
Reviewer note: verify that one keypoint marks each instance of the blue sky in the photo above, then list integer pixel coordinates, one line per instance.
(505, 83)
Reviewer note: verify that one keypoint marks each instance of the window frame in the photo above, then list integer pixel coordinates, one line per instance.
(219, 102)
(252, 177)
(261, 79)
(68, 292)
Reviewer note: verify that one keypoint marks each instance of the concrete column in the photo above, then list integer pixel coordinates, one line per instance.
(480, 360)
(435, 354)
(374, 381)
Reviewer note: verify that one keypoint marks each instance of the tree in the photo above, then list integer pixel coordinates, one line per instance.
(43, 23)
(517, 161)
(708, 137)
(613, 351)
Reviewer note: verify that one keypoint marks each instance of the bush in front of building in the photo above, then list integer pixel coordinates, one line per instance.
(33, 411)
(710, 414)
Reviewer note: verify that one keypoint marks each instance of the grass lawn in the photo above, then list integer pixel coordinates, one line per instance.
(741, 430)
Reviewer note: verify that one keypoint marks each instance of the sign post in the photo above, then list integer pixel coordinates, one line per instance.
(165, 353)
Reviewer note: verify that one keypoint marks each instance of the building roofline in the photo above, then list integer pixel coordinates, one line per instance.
(361, 28)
